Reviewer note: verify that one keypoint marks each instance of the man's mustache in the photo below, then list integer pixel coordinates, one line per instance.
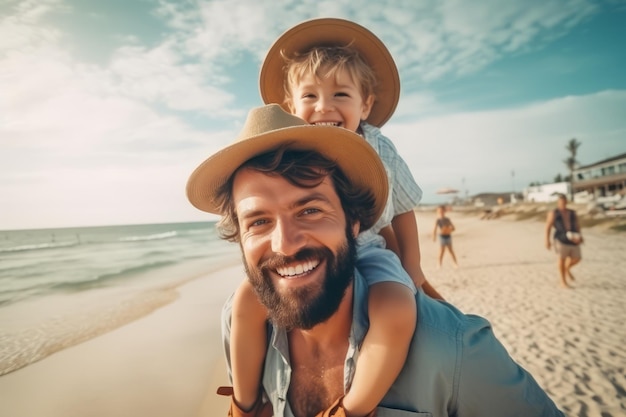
(279, 261)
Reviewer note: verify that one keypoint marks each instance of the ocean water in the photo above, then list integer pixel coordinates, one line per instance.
(59, 287)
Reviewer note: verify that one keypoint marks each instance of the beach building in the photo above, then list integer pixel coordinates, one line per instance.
(545, 193)
(493, 199)
(604, 181)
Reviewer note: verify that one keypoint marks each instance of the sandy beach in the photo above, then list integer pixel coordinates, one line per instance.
(169, 363)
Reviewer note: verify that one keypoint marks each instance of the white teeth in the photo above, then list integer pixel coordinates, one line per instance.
(297, 269)
(327, 124)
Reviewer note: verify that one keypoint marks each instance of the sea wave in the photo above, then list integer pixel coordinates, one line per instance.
(156, 236)
(38, 246)
(156, 253)
(13, 293)
(103, 279)
(9, 296)
(203, 231)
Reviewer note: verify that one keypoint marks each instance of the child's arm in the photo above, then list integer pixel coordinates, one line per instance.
(435, 229)
(393, 316)
(248, 344)
(391, 242)
(405, 229)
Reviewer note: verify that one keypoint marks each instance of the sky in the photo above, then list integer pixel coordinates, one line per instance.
(106, 107)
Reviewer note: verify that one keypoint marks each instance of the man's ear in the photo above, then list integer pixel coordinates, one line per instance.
(368, 103)
(356, 228)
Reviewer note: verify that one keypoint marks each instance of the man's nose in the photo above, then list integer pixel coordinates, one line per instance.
(287, 238)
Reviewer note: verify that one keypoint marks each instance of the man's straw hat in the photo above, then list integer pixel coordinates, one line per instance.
(330, 32)
(269, 127)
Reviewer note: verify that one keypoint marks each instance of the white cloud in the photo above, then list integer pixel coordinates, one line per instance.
(84, 144)
(161, 75)
(454, 37)
(422, 103)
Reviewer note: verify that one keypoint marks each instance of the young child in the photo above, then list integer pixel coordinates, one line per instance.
(446, 228)
(319, 70)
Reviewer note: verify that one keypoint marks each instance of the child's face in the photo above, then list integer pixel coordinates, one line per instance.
(334, 100)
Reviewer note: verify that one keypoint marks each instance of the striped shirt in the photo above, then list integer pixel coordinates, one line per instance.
(404, 193)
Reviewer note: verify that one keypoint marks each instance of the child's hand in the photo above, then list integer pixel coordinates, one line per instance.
(260, 408)
(336, 410)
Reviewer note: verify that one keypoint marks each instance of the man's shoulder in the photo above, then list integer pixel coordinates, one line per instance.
(441, 317)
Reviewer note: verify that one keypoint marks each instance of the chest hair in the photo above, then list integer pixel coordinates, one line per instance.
(316, 379)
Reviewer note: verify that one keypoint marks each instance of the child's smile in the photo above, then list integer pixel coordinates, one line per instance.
(330, 100)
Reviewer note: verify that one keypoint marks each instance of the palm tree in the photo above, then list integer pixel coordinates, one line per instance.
(571, 162)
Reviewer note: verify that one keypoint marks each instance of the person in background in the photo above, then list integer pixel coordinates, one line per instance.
(444, 228)
(567, 238)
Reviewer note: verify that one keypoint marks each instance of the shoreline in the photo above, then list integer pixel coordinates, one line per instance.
(37, 328)
(170, 362)
(162, 364)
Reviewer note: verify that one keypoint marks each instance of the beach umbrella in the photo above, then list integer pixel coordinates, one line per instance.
(447, 190)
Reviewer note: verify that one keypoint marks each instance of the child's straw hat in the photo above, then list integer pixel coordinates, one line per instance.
(326, 32)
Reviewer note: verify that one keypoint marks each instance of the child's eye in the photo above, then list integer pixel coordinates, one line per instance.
(342, 94)
(308, 95)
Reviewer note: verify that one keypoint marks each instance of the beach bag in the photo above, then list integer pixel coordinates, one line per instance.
(574, 237)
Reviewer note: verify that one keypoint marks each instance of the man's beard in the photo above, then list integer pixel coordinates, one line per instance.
(306, 306)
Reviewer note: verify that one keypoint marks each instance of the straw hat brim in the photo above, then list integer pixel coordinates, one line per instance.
(356, 158)
(331, 31)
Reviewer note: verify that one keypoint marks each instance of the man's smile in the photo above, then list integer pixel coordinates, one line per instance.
(298, 269)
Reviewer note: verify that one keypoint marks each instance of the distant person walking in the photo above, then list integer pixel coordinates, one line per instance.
(567, 238)
(444, 228)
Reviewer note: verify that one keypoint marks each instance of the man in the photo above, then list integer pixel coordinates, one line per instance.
(567, 238)
(294, 195)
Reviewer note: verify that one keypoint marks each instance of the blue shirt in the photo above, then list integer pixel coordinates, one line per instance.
(455, 367)
(378, 265)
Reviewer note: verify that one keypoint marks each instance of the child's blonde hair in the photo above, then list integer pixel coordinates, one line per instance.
(328, 61)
